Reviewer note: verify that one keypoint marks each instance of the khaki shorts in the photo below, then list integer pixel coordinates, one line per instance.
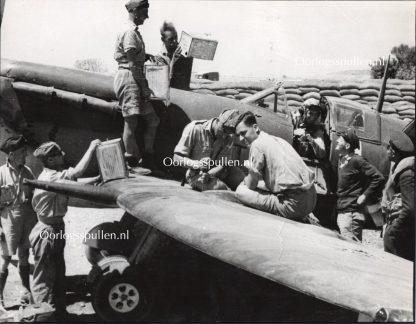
(129, 95)
(17, 223)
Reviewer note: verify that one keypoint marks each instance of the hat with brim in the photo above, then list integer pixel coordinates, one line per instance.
(13, 144)
(401, 142)
(48, 149)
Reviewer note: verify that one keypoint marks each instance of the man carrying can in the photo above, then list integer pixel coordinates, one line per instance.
(48, 236)
(132, 90)
(17, 215)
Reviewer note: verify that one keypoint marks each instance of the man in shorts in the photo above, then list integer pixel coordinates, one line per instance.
(132, 90)
(17, 215)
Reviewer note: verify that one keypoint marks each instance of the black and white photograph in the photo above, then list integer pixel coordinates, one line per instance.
(207, 161)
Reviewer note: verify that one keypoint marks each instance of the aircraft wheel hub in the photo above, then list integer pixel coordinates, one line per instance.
(123, 297)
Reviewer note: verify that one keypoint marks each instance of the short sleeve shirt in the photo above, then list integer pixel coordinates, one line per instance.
(12, 191)
(276, 161)
(197, 142)
(51, 207)
(130, 39)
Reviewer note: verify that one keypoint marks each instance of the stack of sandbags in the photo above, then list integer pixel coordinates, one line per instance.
(399, 100)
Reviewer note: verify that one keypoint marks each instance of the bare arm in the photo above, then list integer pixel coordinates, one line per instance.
(251, 180)
(86, 159)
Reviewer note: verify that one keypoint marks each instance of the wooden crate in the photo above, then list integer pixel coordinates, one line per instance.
(110, 157)
(197, 46)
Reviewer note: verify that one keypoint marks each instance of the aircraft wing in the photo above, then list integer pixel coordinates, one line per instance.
(307, 258)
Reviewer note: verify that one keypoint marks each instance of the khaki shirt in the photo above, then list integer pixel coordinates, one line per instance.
(197, 142)
(50, 206)
(12, 191)
(277, 162)
(130, 39)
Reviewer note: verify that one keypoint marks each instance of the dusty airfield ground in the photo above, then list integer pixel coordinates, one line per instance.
(80, 220)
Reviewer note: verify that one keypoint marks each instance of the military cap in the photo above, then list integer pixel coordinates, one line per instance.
(48, 149)
(351, 138)
(228, 118)
(401, 142)
(13, 143)
(312, 104)
(136, 4)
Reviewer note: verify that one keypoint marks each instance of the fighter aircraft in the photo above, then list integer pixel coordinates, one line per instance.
(73, 107)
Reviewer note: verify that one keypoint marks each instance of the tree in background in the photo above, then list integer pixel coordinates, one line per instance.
(90, 64)
(402, 66)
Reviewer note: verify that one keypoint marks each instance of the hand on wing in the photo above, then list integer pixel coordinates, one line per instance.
(204, 163)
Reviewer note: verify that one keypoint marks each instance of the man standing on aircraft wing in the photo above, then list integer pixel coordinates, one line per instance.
(399, 198)
(17, 215)
(132, 90)
(358, 182)
(290, 191)
(205, 149)
(48, 236)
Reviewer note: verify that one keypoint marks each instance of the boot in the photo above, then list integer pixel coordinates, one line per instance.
(149, 163)
(134, 167)
(25, 295)
(3, 279)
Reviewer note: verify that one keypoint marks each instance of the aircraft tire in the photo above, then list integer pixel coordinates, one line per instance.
(125, 297)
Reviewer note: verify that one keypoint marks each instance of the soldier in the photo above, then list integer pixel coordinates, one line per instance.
(399, 198)
(17, 215)
(132, 90)
(310, 138)
(180, 67)
(289, 189)
(359, 182)
(48, 236)
(205, 148)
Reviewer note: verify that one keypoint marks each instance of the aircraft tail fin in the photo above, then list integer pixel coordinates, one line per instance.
(88, 192)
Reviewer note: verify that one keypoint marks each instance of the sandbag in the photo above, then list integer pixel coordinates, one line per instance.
(408, 120)
(351, 97)
(307, 90)
(402, 103)
(394, 115)
(294, 103)
(293, 91)
(393, 98)
(369, 86)
(204, 91)
(242, 95)
(407, 117)
(355, 92)
(370, 98)
(407, 112)
(393, 92)
(368, 93)
(327, 86)
(230, 96)
(314, 95)
(389, 110)
(330, 93)
(408, 93)
(407, 87)
(225, 92)
(409, 98)
(294, 97)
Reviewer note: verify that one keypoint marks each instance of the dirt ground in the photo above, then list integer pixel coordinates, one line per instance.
(79, 220)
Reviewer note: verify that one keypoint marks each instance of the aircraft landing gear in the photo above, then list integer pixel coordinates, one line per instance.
(121, 297)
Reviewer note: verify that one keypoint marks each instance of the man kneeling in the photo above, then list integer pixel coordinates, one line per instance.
(289, 182)
(205, 148)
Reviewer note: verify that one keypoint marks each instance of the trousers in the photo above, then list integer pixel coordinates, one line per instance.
(293, 204)
(48, 284)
